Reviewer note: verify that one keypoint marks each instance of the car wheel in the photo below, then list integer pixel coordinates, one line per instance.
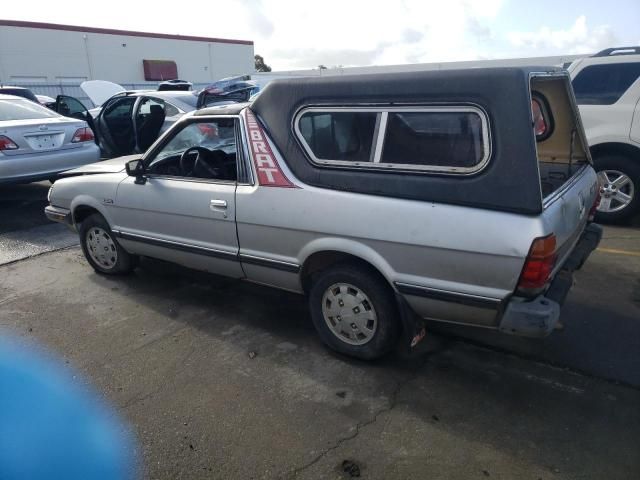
(102, 250)
(354, 311)
(619, 179)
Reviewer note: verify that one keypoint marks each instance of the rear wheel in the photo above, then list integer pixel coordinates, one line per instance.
(619, 179)
(102, 250)
(354, 311)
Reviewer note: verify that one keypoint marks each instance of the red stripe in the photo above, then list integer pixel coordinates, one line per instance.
(269, 172)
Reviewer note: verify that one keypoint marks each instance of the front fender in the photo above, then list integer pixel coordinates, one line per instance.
(91, 202)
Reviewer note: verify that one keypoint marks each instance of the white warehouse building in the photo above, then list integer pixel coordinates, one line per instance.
(33, 53)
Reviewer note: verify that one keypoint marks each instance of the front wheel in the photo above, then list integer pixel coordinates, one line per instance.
(102, 250)
(619, 179)
(354, 311)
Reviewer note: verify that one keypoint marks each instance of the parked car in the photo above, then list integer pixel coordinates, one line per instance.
(19, 92)
(37, 144)
(129, 122)
(46, 101)
(175, 85)
(455, 196)
(228, 90)
(607, 89)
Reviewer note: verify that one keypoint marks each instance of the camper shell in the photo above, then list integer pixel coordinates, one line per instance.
(507, 179)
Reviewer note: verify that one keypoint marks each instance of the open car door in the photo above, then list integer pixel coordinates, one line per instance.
(74, 108)
(115, 122)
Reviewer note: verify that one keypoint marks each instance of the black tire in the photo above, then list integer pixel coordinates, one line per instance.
(123, 261)
(631, 169)
(381, 298)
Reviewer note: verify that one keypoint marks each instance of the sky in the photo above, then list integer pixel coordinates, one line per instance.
(304, 34)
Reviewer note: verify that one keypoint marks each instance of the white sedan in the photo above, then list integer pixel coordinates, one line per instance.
(37, 143)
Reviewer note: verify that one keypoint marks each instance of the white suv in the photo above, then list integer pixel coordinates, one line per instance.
(607, 89)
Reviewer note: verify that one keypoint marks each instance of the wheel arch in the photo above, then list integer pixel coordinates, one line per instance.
(325, 253)
(83, 206)
(615, 148)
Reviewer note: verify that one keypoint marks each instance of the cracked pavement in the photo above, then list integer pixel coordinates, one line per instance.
(223, 379)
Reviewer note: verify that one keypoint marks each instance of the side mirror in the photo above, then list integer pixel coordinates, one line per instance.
(135, 168)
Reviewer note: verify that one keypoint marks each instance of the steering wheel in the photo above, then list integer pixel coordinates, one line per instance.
(198, 161)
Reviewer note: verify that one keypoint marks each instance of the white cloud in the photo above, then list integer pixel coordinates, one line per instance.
(577, 39)
(304, 34)
(301, 34)
(358, 32)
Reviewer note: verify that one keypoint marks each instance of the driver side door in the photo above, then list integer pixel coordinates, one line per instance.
(186, 216)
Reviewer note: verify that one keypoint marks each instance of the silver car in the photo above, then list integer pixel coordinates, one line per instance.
(388, 200)
(130, 121)
(37, 144)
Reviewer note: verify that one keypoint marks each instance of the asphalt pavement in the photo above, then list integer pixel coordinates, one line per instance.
(224, 379)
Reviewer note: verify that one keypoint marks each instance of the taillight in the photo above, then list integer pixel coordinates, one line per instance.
(84, 134)
(539, 264)
(7, 144)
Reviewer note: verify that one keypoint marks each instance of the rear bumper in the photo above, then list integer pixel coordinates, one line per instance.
(538, 317)
(26, 168)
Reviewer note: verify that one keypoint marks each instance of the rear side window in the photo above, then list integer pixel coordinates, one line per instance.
(445, 139)
(604, 84)
(434, 139)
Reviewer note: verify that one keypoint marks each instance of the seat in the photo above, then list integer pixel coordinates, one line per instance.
(151, 126)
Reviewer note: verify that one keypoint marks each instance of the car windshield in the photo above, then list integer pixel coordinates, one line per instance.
(20, 109)
(191, 100)
(19, 92)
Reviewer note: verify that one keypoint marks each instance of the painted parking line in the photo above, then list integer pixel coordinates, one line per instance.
(619, 252)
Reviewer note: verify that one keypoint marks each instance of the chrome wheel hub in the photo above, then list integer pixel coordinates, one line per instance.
(101, 247)
(349, 314)
(616, 189)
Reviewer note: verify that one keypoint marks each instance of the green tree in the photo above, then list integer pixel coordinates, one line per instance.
(260, 66)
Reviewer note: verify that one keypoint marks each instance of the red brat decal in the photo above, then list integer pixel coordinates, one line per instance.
(269, 172)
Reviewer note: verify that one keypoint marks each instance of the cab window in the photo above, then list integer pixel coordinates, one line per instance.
(204, 150)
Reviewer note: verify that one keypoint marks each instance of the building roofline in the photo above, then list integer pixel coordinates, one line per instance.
(110, 31)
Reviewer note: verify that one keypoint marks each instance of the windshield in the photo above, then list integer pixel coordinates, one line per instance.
(191, 100)
(20, 109)
(19, 92)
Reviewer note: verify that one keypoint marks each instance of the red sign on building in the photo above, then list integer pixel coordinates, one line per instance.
(160, 70)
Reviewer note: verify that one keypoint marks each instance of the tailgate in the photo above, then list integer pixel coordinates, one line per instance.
(568, 183)
(566, 213)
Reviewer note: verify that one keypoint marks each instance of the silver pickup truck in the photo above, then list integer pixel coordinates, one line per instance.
(453, 196)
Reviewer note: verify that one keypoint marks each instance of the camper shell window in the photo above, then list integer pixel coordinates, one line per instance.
(442, 139)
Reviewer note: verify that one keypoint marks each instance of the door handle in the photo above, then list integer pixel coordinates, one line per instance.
(215, 204)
